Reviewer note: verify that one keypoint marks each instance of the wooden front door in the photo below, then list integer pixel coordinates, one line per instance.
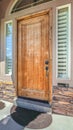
(33, 74)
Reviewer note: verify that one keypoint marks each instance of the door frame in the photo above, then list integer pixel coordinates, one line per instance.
(49, 12)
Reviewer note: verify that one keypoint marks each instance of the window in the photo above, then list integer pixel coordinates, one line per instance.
(63, 42)
(23, 4)
(8, 40)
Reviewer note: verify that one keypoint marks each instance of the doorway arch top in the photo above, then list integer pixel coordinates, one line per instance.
(23, 4)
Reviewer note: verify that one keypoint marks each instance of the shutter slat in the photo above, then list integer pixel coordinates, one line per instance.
(62, 13)
(62, 40)
(64, 29)
(62, 21)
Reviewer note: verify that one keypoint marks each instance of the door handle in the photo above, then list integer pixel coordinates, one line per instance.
(46, 68)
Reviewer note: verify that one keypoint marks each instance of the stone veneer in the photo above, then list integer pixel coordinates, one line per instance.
(62, 97)
(62, 101)
(7, 91)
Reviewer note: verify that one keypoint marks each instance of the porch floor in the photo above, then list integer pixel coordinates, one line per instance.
(59, 122)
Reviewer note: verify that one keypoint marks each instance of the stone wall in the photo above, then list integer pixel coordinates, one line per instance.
(7, 91)
(62, 101)
(62, 97)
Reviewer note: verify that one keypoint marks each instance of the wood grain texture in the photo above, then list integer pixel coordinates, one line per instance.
(33, 51)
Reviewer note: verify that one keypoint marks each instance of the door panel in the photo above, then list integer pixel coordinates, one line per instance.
(33, 51)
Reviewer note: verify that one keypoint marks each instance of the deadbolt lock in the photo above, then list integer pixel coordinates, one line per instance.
(46, 62)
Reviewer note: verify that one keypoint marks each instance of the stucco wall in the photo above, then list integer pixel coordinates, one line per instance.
(4, 4)
(4, 16)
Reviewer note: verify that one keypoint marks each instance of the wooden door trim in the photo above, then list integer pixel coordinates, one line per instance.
(49, 12)
(50, 52)
(41, 13)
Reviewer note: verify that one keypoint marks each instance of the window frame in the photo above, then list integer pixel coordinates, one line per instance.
(69, 35)
(6, 22)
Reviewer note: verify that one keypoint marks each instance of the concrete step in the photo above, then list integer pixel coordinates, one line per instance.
(33, 104)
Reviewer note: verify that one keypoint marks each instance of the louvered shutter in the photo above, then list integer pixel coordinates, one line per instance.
(9, 48)
(63, 42)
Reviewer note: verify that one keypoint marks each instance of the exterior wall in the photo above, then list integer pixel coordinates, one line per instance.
(62, 101)
(4, 4)
(7, 91)
(55, 80)
(5, 16)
